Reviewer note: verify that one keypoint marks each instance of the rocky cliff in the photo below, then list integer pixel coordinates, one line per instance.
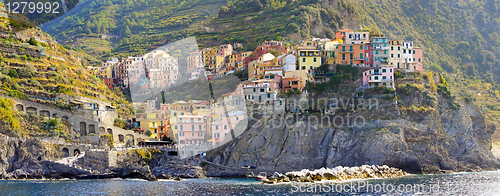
(423, 130)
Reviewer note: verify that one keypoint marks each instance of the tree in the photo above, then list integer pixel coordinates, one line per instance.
(33, 42)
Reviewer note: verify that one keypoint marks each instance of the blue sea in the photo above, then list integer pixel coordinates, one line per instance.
(482, 183)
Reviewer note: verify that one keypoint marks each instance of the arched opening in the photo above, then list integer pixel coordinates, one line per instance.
(129, 139)
(102, 129)
(20, 107)
(121, 138)
(76, 152)
(83, 128)
(65, 152)
(110, 131)
(55, 115)
(44, 113)
(172, 153)
(31, 110)
(91, 129)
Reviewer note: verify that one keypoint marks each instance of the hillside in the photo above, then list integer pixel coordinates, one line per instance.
(37, 68)
(125, 27)
(460, 39)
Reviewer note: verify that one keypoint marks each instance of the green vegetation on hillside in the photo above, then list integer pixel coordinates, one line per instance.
(126, 27)
(35, 67)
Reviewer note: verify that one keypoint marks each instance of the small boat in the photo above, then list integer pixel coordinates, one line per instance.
(262, 176)
(250, 175)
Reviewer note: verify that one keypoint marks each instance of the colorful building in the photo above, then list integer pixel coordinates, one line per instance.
(309, 58)
(380, 51)
(191, 129)
(379, 77)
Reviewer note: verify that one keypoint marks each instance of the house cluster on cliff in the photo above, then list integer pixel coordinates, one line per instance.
(274, 67)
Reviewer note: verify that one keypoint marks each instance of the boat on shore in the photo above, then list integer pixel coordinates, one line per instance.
(261, 177)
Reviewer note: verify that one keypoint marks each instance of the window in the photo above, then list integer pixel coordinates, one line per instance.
(391, 70)
(238, 118)
(383, 70)
(413, 51)
(392, 55)
(314, 59)
(350, 48)
(383, 77)
(343, 57)
(310, 67)
(192, 127)
(181, 133)
(225, 127)
(261, 90)
(361, 47)
(399, 55)
(216, 127)
(303, 67)
(181, 127)
(392, 47)
(413, 59)
(271, 76)
(303, 59)
(419, 60)
(199, 127)
(376, 77)
(385, 51)
(268, 96)
(343, 48)
(376, 51)
(361, 56)
(192, 134)
(404, 51)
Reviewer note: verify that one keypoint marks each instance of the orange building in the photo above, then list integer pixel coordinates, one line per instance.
(341, 34)
(351, 54)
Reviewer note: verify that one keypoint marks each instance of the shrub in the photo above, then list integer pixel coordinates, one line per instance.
(33, 42)
(13, 73)
(7, 113)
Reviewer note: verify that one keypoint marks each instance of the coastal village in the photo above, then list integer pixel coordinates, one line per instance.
(274, 67)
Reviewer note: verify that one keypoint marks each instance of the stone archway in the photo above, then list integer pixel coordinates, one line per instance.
(76, 152)
(110, 131)
(121, 138)
(31, 110)
(83, 128)
(129, 139)
(91, 129)
(65, 152)
(20, 107)
(44, 113)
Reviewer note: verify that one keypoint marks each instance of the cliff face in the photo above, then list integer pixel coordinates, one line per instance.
(24, 158)
(444, 134)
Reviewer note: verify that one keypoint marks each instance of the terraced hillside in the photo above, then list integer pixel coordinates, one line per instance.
(35, 67)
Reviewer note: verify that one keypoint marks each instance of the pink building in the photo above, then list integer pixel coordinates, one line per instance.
(275, 77)
(418, 56)
(222, 125)
(191, 129)
(383, 76)
(369, 55)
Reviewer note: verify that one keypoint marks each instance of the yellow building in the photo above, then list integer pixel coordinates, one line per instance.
(212, 58)
(105, 72)
(309, 58)
(329, 51)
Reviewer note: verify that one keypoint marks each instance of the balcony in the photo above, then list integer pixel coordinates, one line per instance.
(346, 51)
(380, 48)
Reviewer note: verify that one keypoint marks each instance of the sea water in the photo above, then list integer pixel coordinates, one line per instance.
(482, 183)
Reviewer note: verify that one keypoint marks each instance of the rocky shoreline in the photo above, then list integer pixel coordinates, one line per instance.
(336, 174)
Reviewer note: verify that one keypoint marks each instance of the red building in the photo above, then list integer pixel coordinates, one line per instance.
(267, 46)
(418, 58)
(109, 82)
(369, 55)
